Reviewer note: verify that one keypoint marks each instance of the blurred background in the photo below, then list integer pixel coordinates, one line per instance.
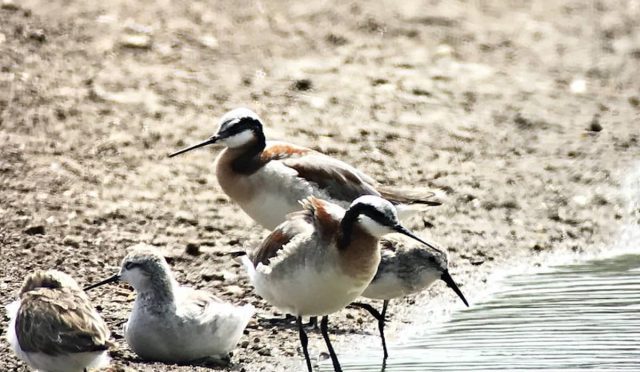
(524, 113)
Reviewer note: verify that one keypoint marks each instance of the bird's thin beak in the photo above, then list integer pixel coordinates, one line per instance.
(404, 231)
(112, 279)
(211, 140)
(446, 277)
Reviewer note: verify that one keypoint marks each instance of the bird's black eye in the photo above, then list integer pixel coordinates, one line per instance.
(130, 265)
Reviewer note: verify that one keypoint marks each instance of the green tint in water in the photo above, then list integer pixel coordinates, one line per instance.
(574, 317)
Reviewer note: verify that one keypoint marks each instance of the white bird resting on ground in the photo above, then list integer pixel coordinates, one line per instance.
(171, 323)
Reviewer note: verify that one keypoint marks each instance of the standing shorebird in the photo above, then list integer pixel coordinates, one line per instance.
(404, 270)
(54, 327)
(322, 258)
(170, 323)
(268, 179)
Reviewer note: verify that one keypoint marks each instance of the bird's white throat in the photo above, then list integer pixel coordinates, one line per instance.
(238, 140)
(374, 228)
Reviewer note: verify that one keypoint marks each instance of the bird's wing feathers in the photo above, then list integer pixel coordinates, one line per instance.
(340, 180)
(316, 216)
(296, 223)
(206, 308)
(197, 304)
(400, 196)
(58, 322)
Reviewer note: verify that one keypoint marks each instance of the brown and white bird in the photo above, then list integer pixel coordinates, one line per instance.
(268, 179)
(322, 258)
(54, 327)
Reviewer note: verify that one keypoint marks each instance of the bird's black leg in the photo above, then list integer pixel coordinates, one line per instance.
(380, 317)
(313, 322)
(381, 328)
(370, 309)
(325, 334)
(304, 341)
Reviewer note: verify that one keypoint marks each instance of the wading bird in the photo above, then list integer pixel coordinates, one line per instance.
(322, 258)
(403, 270)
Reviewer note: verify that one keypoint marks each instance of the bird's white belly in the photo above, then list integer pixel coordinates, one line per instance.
(308, 292)
(270, 209)
(275, 191)
(385, 288)
(75, 362)
(390, 285)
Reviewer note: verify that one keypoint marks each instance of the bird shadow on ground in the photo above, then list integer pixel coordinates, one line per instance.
(290, 324)
(211, 363)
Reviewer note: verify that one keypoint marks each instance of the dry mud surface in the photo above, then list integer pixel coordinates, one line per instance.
(525, 115)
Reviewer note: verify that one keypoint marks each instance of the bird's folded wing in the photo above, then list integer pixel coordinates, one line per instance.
(405, 196)
(296, 223)
(59, 322)
(205, 307)
(340, 180)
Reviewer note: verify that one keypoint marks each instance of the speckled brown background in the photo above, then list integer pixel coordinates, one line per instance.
(526, 115)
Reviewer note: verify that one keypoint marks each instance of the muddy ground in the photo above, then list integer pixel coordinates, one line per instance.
(526, 115)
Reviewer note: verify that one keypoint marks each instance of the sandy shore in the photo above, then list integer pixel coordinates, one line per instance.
(525, 116)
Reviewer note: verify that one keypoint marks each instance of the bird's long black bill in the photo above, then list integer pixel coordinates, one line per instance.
(446, 277)
(209, 141)
(112, 279)
(404, 231)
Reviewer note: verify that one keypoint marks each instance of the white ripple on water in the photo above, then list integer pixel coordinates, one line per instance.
(582, 316)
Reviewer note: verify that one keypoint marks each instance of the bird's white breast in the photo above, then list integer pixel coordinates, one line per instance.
(308, 290)
(392, 285)
(385, 287)
(277, 191)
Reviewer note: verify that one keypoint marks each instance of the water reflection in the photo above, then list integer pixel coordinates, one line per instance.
(572, 317)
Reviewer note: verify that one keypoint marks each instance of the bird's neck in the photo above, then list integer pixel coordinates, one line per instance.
(158, 291)
(358, 250)
(348, 229)
(247, 158)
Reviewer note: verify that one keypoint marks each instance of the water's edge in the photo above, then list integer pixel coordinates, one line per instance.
(623, 251)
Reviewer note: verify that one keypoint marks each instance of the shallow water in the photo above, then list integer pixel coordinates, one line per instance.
(570, 317)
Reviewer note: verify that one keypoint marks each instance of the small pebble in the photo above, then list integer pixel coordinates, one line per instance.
(186, 217)
(192, 249)
(302, 85)
(234, 290)
(209, 41)
(595, 125)
(136, 41)
(209, 275)
(9, 5)
(578, 86)
(72, 241)
(35, 230)
(38, 35)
